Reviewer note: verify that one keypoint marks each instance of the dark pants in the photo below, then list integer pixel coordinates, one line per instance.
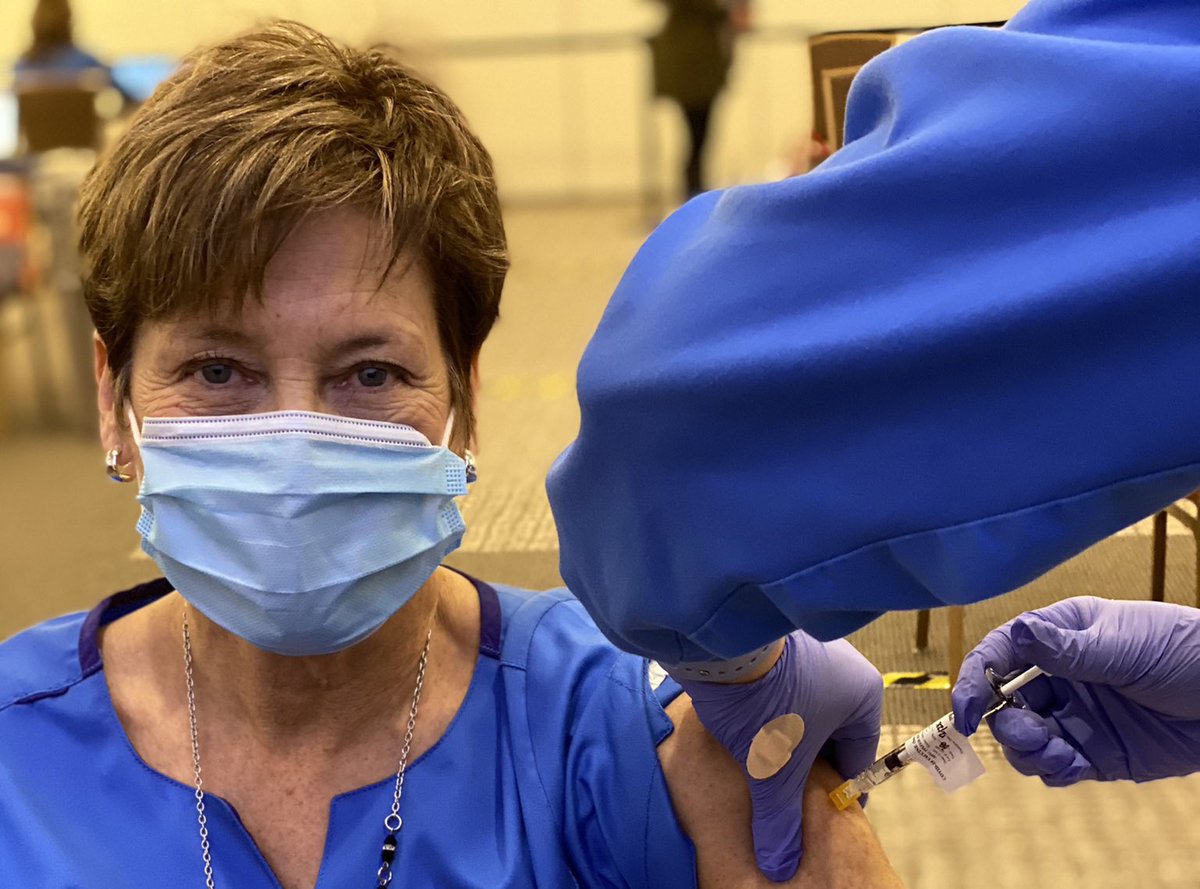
(697, 117)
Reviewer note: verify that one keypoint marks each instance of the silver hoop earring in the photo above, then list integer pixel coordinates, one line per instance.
(113, 466)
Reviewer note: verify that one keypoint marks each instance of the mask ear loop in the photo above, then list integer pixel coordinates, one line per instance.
(134, 430)
(134, 427)
(468, 457)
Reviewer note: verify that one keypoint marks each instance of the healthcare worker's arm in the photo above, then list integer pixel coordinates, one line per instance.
(1122, 699)
(708, 791)
(959, 352)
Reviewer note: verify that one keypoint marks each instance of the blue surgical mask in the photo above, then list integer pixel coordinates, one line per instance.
(299, 532)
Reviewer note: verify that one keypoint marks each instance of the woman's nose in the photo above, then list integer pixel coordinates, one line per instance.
(298, 394)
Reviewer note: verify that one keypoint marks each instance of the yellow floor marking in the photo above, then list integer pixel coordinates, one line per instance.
(938, 681)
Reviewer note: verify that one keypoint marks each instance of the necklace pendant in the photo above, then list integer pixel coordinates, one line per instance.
(387, 856)
(391, 824)
(384, 876)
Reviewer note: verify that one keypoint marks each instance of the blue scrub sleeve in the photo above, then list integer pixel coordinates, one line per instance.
(959, 352)
(607, 795)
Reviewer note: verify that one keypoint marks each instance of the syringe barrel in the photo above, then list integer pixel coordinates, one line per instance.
(896, 759)
(883, 768)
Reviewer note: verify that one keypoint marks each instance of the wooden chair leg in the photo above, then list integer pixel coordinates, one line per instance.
(1193, 523)
(1196, 535)
(1158, 568)
(957, 647)
(923, 625)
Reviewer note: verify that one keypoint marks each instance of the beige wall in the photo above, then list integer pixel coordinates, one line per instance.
(559, 123)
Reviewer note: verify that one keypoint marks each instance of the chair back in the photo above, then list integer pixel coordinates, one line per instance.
(59, 111)
(839, 54)
(835, 89)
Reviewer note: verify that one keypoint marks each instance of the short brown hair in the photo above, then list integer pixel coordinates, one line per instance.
(250, 136)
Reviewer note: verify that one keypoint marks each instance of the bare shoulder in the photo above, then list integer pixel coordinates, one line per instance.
(708, 791)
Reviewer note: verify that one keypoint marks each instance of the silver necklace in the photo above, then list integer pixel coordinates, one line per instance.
(391, 824)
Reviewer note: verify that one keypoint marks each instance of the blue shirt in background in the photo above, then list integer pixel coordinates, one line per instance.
(68, 59)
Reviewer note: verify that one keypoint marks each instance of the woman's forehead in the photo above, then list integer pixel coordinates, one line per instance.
(328, 285)
(336, 269)
(344, 248)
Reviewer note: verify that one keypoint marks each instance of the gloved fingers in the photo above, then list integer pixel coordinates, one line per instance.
(1055, 758)
(1039, 695)
(1078, 770)
(1075, 613)
(972, 694)
(1034, 746)
(851, 755)
(860, 688)
(1067, 653)
(853, 744)
(777, 818)
(1043, 695)
(1021, 731)
(1025, 763)
(778, 852)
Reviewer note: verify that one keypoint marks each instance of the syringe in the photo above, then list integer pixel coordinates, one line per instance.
(895, 760)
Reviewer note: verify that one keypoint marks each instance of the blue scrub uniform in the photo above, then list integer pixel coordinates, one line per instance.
(957, 353)
(547, 776)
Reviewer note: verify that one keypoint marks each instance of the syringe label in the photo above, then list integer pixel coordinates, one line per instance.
(946, 755)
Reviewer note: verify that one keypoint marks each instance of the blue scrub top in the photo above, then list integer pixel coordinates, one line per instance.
(957, 353)
(547, 776)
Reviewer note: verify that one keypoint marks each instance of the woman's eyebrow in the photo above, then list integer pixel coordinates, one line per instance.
(366, 341)
(358, 343)
(215, 334)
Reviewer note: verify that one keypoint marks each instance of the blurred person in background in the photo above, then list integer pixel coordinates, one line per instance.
(291, 286)
(53, 54)
(691, 55)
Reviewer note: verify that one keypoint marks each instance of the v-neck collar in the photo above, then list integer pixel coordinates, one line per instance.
(127, 601)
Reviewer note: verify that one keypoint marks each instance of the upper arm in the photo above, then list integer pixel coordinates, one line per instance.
(711, 801)
(586, 728)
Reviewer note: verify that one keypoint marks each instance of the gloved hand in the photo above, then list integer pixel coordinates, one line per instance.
(1122, 700)
(838, 697)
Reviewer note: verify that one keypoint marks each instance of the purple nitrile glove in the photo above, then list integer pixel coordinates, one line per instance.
(838, 698)
(1122, 699)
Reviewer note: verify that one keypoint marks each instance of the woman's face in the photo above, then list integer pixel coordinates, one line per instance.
(325, 337)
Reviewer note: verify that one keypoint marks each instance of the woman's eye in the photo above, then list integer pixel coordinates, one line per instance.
(372, 377)
(217, 374)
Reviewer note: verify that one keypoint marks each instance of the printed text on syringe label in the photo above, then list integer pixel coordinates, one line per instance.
(946, 755)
